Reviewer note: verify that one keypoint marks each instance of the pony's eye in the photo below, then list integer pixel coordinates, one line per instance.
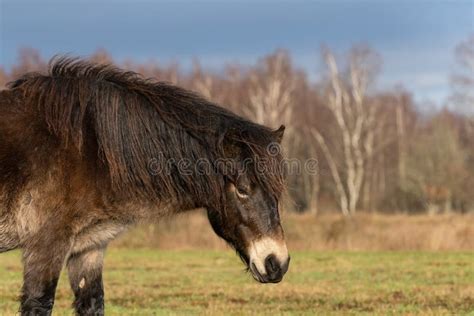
(241, 193)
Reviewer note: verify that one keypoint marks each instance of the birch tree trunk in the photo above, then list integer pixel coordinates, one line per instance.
(355, 119)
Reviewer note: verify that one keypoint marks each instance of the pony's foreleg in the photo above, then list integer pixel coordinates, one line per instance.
(85, 276)
(44, 255)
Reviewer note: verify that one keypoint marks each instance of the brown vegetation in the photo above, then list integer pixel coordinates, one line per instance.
(325, 232)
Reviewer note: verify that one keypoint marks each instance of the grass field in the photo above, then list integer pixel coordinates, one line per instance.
(157, 282)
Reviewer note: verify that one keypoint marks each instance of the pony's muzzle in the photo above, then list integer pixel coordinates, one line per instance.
(274, 270)
(269, 260)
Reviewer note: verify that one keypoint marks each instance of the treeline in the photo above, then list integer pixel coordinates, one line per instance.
(375, 150)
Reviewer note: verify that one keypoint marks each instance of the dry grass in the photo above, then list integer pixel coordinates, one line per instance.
(326, 232)
(201, 281)
(207, 282)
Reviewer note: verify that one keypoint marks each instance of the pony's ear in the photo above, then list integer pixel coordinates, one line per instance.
(278, 134)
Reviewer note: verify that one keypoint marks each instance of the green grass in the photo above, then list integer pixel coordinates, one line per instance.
(153, 282)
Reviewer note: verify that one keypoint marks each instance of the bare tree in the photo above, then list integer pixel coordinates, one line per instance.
(213, 86)
(401, 137)
(202, 82)
(438, 164)
(101, 56)
(29, 60)
(355, 119)
(271, 88)
(463, 80)
(153, 69)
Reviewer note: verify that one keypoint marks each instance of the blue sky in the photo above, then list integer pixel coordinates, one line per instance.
(416, 39)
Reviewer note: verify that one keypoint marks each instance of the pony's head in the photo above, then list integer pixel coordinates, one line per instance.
(249, 218)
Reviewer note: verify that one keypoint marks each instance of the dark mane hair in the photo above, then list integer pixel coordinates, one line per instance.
(134, 120)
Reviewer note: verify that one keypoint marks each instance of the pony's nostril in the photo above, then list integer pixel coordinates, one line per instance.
(272, 266)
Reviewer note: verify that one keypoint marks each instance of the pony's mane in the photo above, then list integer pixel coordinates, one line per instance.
(135, 121)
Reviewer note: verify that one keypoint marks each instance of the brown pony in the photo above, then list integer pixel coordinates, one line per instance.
(88, 150)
